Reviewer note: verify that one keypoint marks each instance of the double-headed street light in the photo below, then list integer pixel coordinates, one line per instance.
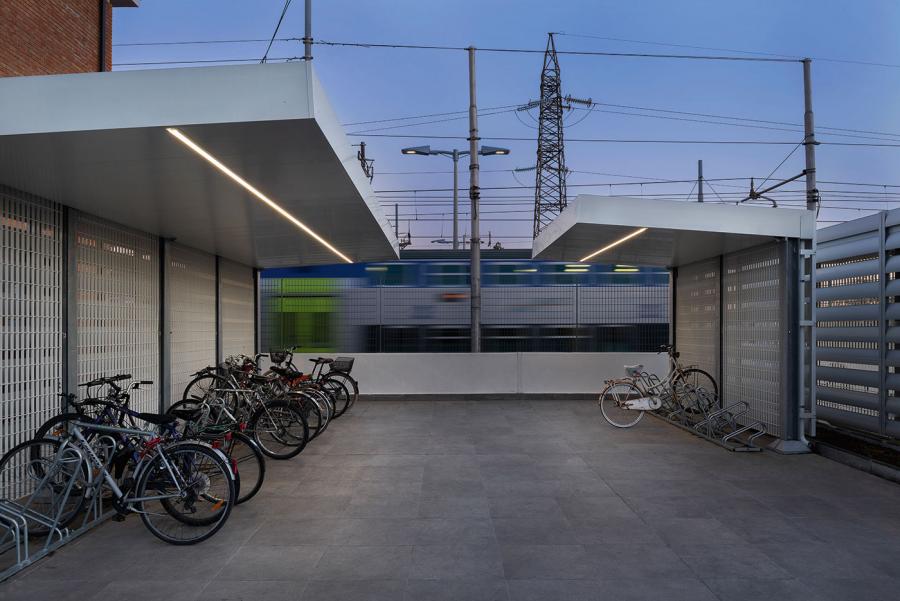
(454, 155)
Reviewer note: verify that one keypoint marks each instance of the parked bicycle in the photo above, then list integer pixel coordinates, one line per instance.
(624, 401)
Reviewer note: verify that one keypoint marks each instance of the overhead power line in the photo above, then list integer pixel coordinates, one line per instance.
(566, 52)
(287, 5)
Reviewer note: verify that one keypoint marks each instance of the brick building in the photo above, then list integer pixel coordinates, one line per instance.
(45, 37)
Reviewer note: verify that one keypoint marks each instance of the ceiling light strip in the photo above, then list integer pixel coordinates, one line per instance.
(616, 243)
(244, 184)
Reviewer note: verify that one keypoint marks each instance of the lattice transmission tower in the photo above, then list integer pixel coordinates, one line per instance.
(550, 176)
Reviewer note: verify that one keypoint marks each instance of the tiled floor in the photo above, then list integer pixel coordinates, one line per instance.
(509, 500)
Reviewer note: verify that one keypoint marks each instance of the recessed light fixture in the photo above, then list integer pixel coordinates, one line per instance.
(616, 243)
(249, 188)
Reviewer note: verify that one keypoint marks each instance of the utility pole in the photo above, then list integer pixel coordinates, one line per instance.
(809, 138)
(455, 158)
(307, 33)
(474, 192)
(700, 180)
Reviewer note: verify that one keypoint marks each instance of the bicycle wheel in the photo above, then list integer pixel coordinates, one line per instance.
(204, 387)
(279, 429)
(339, 393)
(188, 500)
(612, 404)
(51, 482)
(350, 384)
(695, 378)
(310, 411)
(248, 462)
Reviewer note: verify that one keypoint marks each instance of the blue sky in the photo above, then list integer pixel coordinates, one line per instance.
(373, 84)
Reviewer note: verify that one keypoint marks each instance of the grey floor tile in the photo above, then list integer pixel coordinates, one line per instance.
(27, 588)
(150, 590)
(456, 590)
(349, 590)
(463, 562)
(444, 506)
(263, 562)
(754, 589)
(535, 530)
(544, 590)
(525, 507)
(252, 590)
(546, 562)
(364, 563)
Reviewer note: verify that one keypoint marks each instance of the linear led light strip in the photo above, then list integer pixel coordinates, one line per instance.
(244, 184)
(616, 243)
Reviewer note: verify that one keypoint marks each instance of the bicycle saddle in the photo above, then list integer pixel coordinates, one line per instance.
(324, 360)
(157, 418)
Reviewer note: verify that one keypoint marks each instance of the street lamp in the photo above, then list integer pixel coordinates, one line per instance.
(454, 155)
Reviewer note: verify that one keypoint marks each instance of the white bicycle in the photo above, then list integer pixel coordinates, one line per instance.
(624, 401)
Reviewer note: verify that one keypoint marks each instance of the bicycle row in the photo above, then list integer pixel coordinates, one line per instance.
(181, 471)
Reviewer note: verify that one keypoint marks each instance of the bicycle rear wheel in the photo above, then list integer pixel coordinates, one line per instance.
(612, 404)
(340, 392)
(695, 379)
(189, 502)
(248, 462)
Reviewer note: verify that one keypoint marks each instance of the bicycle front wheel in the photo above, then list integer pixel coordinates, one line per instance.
(248, 462)
(185, 493)
(612, 404)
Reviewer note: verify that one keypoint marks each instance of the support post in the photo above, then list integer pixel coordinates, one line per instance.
(219, 329)
(809, 138)
(70, 308)
(307, 32)
(882, 325)
(165, 328)
(397, 221)
(474, 193)
(700, 181)
(455, 158)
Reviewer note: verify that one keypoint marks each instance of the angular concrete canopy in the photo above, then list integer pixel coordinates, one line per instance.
(98, 142)
(677, 233)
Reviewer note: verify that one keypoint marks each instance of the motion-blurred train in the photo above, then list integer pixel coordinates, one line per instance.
(423, 306)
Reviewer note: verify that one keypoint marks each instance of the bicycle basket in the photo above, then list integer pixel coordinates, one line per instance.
(277, 356)
(634, 371)
(344, 364)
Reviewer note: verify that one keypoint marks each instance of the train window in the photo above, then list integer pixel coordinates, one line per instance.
(507, 274)
(448, 274)
(562, 274)
(399, 274)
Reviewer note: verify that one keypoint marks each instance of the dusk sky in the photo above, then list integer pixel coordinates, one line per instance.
(366, 84)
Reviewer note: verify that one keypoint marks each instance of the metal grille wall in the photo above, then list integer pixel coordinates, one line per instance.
(697, 315)
(117, 298)
(754, 335)
(858, 324)
(31, 270)
(237, 308)
(191, 314)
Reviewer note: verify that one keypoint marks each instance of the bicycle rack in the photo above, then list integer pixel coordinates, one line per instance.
(693, 410)
(15, 517)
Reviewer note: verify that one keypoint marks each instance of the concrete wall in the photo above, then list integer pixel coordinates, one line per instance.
(490, 373)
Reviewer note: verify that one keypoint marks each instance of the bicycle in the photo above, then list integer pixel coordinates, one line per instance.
(624, 401)
(183, 490)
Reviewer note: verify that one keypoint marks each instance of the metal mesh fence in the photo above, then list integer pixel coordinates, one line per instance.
(353, 314)
(697, 313)
(236, 301)
(754, 324)
(191, 299)
(31, 267)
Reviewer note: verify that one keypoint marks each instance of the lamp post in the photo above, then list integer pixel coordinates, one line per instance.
(475, 266)
(454, 156)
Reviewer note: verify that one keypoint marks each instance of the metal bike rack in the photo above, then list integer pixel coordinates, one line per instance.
(16, 516)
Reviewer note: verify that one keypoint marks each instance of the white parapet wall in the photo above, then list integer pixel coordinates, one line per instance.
(490, 373)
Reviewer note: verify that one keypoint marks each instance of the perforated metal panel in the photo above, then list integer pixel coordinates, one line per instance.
(237, 306)
(754, 334)
(31, 268)
(697, 315)
(191, 300)
(117, 297)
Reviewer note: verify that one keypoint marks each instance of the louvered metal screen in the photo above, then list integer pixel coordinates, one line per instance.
(191, 298)
(117, 298)
(31, 269)
(858, 324)
(755, 327)
(697, 315)
(237, 306)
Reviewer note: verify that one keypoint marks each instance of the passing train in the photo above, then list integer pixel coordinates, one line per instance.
(423, 306)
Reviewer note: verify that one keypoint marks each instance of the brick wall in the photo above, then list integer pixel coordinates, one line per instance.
(43, 37)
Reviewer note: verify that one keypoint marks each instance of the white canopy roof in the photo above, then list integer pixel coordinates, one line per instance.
(663, 233)
(100, 142)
